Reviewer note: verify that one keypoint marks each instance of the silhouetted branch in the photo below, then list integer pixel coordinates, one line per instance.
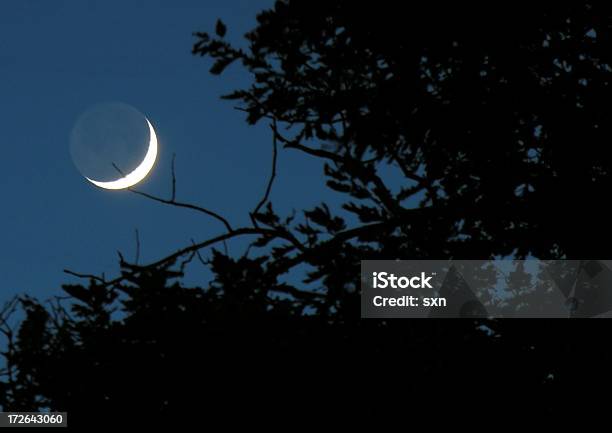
(209, 242)
(382, 192)
(185, 205)
(7, 311)
(198, 255)
(86, 276)
(421, 181)
(57, 310)
(315, 252)
(274, 233)
(320, 153)
(272, 174)
(186, 261)
(172, 201)
(118, 169)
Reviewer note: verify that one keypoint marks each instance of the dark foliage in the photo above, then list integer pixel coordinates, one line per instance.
(497, 119)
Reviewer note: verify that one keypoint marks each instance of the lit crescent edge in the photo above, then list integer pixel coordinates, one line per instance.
(140, 172)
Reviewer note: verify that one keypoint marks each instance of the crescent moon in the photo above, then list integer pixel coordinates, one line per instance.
(140, 172)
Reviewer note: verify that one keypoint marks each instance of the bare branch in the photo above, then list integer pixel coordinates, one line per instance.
(185, 205)
(277, 233)
(314, 152)
(118, 169)
(264, 199)
(8, 308)
(187, 261)
(221, 238)
(198, 255)
(172, 201)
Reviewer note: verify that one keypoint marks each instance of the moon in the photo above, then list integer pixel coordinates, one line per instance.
(140, 172)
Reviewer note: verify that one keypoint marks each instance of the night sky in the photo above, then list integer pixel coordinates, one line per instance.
(59, 58)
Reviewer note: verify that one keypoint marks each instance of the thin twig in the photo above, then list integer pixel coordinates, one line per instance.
(185, 205)
(187, 261)
(173, 201)
(198, 255)
(118, 169)
(264, 199)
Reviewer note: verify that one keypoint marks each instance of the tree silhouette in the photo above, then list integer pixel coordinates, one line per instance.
(452, 131)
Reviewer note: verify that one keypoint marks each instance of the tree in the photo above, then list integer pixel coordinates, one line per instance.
(498, 132)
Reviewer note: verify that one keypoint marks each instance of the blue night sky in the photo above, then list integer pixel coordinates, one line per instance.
(59, 58)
